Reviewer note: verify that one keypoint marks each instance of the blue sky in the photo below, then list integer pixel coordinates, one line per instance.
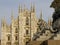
(6, 6)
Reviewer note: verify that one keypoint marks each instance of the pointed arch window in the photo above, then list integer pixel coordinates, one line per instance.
(9, 37)
(8, 43)
(16, 30)
(27, 21)
(16, 43)
(16, 37)
(27, 32)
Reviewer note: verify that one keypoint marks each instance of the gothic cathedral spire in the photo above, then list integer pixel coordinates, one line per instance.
(12, 15)
(3, 22)
(49, 22)
(24, 7)
(20, 8)
(41, 15)
(32, 7)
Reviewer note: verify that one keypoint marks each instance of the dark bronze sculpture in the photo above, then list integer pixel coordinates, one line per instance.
(56, 16)
(56, 4)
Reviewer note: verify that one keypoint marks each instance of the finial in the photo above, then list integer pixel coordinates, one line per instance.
(20, 8)
(41, 14)
(3, 21)
(49, 21)
(32, 7)
(12, 14)
(24, 7)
